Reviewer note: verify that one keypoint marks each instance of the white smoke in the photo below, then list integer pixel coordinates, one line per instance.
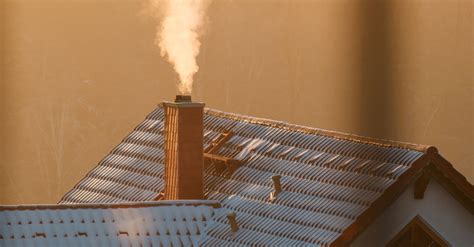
(181, 24)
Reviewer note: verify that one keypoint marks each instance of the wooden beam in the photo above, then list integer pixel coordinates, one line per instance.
(215, 157)
(219, 142)
(219, 161)
(421, 184)
(231, 164)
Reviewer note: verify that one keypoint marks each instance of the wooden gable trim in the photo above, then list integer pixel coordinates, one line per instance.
(453, 181)
(422, 183)
(389, 196)
(418, 221)
(434, 166)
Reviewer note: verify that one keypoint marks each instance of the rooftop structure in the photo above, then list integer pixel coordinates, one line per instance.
(284, 184)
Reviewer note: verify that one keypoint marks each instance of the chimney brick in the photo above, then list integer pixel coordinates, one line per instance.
(184, 150)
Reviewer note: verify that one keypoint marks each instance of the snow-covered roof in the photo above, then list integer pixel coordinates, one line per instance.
(333, 183)
(164, 223)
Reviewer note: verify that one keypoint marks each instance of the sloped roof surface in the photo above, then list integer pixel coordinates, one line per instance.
(174, 223)
(328, 178)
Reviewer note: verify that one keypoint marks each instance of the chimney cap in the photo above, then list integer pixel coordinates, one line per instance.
(276, 177)
(231, 214)
(182, 101)
(182, 98)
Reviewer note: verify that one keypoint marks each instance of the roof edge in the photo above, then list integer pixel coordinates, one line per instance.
(454, 182)
(322, 132)
(213, 203)
(381, 203)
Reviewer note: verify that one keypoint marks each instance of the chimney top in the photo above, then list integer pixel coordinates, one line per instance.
(182, 98)
(183, 101)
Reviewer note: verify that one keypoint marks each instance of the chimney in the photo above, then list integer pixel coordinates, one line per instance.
(183, 132)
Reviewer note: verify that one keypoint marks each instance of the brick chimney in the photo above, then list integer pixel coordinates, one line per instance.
(183, 149)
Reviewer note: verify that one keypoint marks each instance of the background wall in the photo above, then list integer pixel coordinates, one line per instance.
(77, 75)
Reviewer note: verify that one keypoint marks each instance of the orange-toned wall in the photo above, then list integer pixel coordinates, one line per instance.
(76, 76)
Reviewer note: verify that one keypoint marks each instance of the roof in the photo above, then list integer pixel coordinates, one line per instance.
(333, 183)
(132, 224)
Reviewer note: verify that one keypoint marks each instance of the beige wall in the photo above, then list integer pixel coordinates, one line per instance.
(77, 75)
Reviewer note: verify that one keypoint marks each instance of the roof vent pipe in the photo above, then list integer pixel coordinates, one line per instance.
(231, 216)
(276, 187)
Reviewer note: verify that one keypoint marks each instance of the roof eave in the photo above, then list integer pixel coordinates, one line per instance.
(213, 203)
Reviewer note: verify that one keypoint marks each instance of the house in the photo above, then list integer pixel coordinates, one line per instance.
(281, 184)
(161, 223)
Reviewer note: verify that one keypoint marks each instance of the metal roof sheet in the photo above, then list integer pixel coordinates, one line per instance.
(328, 178)
(177, 223)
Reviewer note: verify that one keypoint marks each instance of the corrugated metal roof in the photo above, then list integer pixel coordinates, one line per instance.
(328, 178)
(176, 223)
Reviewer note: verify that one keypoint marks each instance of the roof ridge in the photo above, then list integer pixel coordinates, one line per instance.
(213, 203)
(322, 132)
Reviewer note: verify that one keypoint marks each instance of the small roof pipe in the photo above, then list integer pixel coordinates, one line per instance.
(277, 183)
(231, 216)
(276, 186)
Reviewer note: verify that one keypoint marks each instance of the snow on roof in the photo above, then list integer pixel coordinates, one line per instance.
(176, 223)
(332, 183)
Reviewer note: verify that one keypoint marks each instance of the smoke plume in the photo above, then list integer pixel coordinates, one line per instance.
(181, 23)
